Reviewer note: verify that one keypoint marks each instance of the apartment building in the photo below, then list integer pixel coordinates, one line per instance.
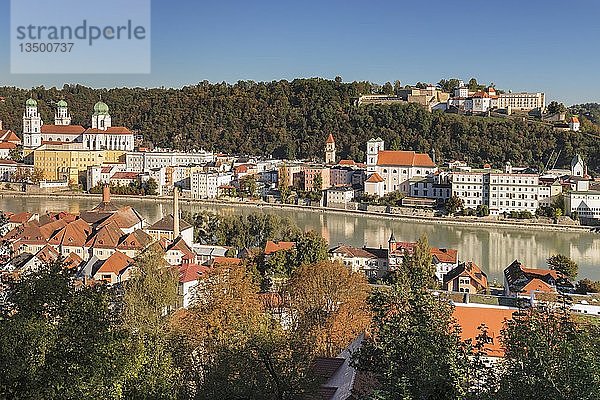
(500, 191)
(205, 185)
(141, 161)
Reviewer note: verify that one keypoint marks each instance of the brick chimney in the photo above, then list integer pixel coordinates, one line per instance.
(175, 212)
(106, 193)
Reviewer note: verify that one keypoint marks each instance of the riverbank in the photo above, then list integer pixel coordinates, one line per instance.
(263, 205)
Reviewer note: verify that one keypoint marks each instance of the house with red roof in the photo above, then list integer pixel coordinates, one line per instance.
(466, 278)
(394, 168)
(522, 281)
(189, 275)
(114, 269)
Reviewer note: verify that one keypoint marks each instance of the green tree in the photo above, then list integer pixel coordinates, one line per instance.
(586, 285)
(547, 350)
(564, 265)
(556, 107)
(454, 204)
(414, 349)
(59, 340)
(151, 187)
(417, 271)
(483, 210)
(311, 248)
(149, 295)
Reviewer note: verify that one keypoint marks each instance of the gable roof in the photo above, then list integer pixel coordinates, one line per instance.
(72, 261)
(50, 228)
(9, 136)
(350, 251)
(47, 254)
(136, 240)
(124, 217)
(469, 269)
(445, 255)
(20, 218)
(375, 178)
(73, 234)
(107, 237)
(404, 158)
(180, 245)
(273, 247)
(166, 224)
(116, 263)
(518, 276)
(113, 130)
(537, 285)
(63, 129)
(330, 139)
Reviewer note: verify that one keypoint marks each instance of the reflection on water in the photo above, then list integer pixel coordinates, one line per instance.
(490, 247)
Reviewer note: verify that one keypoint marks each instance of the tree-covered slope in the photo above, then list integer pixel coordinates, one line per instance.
(293, 119)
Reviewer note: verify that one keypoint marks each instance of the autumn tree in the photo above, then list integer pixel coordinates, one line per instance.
(233, 348)
(328, 302)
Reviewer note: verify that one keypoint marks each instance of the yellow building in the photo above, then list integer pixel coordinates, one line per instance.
(69, 162)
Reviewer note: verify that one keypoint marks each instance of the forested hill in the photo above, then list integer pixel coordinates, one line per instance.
(293, 119)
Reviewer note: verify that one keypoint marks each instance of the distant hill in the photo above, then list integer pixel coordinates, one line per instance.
(293, 119)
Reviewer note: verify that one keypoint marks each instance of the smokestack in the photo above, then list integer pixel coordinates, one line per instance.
(175, 212)
(106, 193)
(0, 124)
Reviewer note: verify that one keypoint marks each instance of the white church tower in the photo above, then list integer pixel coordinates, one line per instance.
(61, 116)
(374, 146)
(32, 125)
(330, 150)
(101, 117)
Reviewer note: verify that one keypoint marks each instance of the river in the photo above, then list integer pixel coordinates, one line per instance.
(492, 248)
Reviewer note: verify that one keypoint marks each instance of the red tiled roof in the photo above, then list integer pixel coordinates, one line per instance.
(72, 261)
(7, 145)
(533, 272)
(8, 162)
(125, 175)
(9, 136)
(107, 237)
(347, 162)
(191, 272)
(63, 129)
(47, 254)
(124, 217)
(537, 285)
(272, 247)
(470, 318)
(445, 255)
(180, 245)
(116, 263)
(404, 158)
(227, 260)
(73, 234)
(330, 139)
(20, 218)
(353, 252)
(575, 120)
(375, 178)
(113, 130)
(136, 240)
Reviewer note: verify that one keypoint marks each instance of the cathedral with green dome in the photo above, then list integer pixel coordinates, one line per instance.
(101, 135)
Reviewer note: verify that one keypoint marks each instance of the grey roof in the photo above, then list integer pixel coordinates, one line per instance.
(166, 224)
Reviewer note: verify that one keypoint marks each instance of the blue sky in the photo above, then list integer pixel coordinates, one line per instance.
(519, 45)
